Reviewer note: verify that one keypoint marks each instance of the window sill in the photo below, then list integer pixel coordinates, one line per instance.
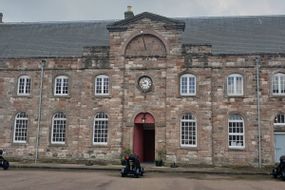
(193, 148)
(19, 143)
(22, 96)
(100, 145)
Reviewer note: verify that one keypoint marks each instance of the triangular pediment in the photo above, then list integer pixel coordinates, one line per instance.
(169, 22)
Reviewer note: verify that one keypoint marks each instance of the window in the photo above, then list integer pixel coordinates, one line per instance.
(58, 128)
(100, 128)
(24, 86)
(278, 84)
(236, 131)
(20, 128)
(188, 130)
(102, 85)
(279, 119)
(61, 86)
(188, 85)
(235, 85)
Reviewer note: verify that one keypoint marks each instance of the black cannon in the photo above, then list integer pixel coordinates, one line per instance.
(3, 163)
(132, 166)
(279, 171)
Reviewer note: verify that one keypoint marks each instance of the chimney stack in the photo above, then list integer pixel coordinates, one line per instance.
(129, 13)
(1, 17)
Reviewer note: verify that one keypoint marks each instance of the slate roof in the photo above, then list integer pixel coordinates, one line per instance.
(227, 35)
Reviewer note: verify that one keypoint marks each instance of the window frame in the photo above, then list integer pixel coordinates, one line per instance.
(193, 120)
(25, 86)
(62, 77)
(102, 85)
(278, 118)
(188, 83)
(279, 85)
(234, 89)
(105, 121)
(24, 120)
(236, 133)
(62, 119)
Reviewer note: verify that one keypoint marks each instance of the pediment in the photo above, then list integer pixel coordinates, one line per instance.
(122, 25)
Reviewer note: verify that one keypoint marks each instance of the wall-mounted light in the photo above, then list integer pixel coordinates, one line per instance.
(143, 118)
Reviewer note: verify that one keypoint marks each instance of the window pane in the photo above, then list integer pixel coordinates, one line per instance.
(236, 131)
(188, 130)
(100, 129)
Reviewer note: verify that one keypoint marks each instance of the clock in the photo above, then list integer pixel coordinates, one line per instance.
(145, 83)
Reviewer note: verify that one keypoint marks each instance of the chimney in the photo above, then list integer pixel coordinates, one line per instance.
(1, 17)
(129, 13)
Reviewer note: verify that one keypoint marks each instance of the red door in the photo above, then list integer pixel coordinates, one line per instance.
(144, 137)
(138, 141)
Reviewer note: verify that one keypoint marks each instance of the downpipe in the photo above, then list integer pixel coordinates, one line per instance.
(39, 111)
(257, 61)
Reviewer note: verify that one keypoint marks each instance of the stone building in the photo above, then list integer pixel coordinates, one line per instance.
(188, 90)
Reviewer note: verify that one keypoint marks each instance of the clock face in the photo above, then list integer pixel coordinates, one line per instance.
(145, 83)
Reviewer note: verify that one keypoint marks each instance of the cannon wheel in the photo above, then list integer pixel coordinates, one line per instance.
(5, 165)
(283, 175)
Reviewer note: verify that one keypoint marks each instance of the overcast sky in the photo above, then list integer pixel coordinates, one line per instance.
(68, 10)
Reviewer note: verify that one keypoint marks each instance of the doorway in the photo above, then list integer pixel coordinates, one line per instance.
(144, 137)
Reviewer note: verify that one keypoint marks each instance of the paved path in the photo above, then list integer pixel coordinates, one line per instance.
(24, 179)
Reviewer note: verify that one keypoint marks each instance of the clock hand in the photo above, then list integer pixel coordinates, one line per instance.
(144, 42)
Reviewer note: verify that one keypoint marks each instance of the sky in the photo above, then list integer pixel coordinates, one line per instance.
(74, 10)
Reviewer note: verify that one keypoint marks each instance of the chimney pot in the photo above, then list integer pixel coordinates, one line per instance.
(129, 13)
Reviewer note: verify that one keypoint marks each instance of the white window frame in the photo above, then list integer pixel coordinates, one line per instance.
(58, 126)
(102, 86)
(279, 119)
(190, 120)
(188, 85)
(101, 125)
(236, 120)
(236, 89)
(62, 86)
(278, 82)
(24, 84)
(20, 124)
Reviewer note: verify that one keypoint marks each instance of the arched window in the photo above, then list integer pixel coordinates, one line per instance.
(235, 85)
(58, 132)
(20, 128)
(24, 86)
(236, 131)
(61, 86)
(100, 129)
(102, 85)
(279, 119)
(188, 130)
(187, 85)
(278, 84)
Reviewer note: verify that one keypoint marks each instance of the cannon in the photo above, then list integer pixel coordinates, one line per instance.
(279, 171)
(132, 166)
(3, 162)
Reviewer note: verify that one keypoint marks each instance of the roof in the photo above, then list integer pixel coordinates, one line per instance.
(227, 35)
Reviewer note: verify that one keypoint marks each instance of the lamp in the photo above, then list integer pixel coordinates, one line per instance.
(143, 118)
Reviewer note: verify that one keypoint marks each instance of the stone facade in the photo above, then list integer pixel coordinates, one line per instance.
(211, 105)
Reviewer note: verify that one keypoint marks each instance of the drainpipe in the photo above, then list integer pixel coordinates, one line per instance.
(39, 111)
(257, 61)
